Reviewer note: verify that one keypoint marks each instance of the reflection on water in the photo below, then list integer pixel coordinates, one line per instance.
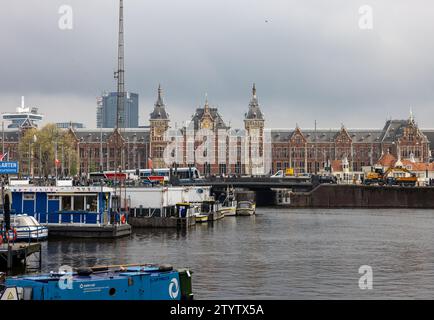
(281, 253)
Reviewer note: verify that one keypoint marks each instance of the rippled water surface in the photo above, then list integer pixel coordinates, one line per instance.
(281, 254)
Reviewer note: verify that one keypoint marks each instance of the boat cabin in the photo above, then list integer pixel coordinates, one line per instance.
(69, 205)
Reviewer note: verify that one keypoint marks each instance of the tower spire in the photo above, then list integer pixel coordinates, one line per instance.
(254, 109)
(159, 102)
(159, 112)
(411, 115)
(206, 108)
(120, 73)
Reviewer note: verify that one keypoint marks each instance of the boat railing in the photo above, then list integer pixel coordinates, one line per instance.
(25, 232)
(24, 229)
(75, 217)
(145, 212)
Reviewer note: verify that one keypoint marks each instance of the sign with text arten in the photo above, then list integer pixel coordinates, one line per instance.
(8, 167)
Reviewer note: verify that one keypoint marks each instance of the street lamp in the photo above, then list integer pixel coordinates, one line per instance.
(40, 162)
(35, 139)
(30, 171)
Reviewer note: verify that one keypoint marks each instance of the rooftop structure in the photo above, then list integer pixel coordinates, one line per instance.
(70, 124)
(24, 117)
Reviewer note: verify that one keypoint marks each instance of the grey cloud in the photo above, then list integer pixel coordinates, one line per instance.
(310, 60)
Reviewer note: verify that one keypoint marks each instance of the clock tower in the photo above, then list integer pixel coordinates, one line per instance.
(207, 121)
(254, 125)
(159, 123)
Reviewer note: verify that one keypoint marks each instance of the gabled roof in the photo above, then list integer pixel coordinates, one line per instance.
(298, 132)
(429, 134)
(394, 129)
(417, 166)
(343, 132)
(213, 113)
(387, 160)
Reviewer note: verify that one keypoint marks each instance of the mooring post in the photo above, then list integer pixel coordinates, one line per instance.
(25, 258)
(10, 257)
(40, 257)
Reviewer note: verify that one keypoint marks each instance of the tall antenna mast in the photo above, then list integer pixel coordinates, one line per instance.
(120, 73)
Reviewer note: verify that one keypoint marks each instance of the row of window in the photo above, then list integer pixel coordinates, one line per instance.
(222, 168)
(96, 152)
(314, 166)
(79, 203)
(71, 203)
(408, 152)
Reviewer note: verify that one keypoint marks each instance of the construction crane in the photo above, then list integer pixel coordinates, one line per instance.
(381, 177)
(120, 73)
(120, 103)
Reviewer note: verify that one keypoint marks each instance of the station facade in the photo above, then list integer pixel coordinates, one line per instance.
(209, 143)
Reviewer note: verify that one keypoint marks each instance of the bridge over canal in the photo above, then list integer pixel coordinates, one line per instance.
(264, 187)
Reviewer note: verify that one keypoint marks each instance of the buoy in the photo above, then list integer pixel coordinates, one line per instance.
(123, 219)
(11, 235)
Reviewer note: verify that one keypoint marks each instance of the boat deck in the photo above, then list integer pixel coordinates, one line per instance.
(97, 275)
(88, 231)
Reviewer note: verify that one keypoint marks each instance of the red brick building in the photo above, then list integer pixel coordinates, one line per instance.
(208, 143)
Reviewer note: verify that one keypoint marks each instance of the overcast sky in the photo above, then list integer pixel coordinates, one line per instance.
(309, 59)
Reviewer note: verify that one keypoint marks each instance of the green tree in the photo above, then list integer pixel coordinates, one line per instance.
(39, 147)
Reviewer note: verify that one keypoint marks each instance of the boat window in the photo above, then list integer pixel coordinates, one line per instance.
(92, 203)
(29, 196)
(244, 205)
(79, 203)
(66, 203)
(20, 222)
(32, 221)
(27, 221)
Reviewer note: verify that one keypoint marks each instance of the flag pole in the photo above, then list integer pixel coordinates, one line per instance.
(55, 160)
(3, 137)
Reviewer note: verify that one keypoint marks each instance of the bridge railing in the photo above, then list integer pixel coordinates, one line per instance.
(256, 179)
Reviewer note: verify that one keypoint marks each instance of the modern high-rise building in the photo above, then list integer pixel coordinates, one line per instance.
(106, 110)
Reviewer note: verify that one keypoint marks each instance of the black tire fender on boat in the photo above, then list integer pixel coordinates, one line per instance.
(165, 267)
(84, 272)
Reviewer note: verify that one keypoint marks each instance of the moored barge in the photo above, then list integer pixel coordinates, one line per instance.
(141, 282)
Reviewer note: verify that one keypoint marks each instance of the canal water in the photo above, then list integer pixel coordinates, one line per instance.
(281, 254)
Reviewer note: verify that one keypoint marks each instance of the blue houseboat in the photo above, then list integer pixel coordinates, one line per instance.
(71, 211)
(147, 282)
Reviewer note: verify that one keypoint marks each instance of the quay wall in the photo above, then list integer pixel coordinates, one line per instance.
(360, 196)
(160, 222)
